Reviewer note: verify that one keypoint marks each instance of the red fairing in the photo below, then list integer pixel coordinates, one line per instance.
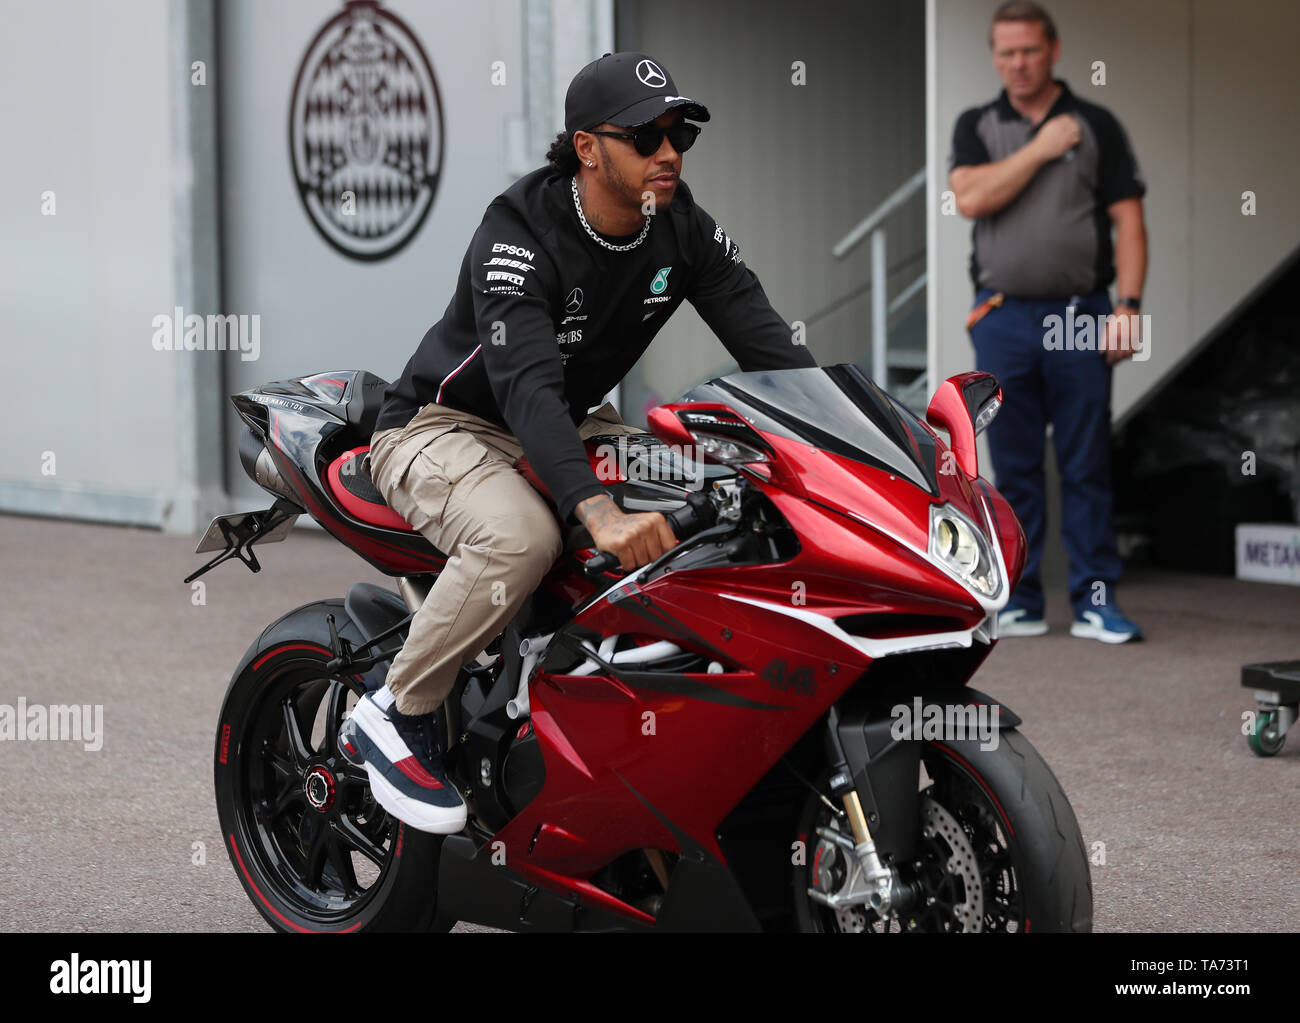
(1011, 534)
(604, 755)
(864, 552)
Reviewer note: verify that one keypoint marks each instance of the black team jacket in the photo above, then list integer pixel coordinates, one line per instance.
(544, 321)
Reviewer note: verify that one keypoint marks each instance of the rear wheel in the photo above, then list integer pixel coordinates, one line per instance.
(310, 845)
(999, 849)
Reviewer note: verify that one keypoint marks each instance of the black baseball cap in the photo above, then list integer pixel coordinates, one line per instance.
(625, 89)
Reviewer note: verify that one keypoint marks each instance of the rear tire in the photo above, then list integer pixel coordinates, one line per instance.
(1004, 810)
(311, 847)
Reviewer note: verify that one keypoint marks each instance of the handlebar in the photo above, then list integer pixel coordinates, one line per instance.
(684, 522)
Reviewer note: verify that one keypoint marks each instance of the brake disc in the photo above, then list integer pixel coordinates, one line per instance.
(941, 829)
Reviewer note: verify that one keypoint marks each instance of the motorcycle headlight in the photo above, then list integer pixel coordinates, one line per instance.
(963, 550)
(727, 451)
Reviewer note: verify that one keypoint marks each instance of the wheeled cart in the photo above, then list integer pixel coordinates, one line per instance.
(1277, 703)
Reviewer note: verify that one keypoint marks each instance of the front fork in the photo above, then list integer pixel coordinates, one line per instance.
(875, 775)
(869, 881)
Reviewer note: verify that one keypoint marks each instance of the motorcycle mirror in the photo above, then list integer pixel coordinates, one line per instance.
(983, 397)
(964, 405)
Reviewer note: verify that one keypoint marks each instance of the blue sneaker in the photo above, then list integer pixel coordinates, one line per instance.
(1105, 623)
(403, 761)
(1016, 621)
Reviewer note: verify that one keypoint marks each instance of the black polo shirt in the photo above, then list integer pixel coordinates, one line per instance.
(1054, 239)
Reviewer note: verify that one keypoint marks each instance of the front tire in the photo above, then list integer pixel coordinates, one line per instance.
(310, 845)
(1000, 849)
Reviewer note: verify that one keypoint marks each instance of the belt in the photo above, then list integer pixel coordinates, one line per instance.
(983, 309)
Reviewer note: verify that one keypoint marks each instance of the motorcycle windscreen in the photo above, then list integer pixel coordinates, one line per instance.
(835, 408)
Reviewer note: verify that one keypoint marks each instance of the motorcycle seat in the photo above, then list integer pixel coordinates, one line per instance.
(355, 492)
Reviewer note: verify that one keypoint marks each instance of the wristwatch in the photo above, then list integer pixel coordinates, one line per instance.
(1133, 303)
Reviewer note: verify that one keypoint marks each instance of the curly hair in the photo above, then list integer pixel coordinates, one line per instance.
(562, 156)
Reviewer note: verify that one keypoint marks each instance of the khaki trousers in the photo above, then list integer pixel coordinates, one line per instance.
(451, 475)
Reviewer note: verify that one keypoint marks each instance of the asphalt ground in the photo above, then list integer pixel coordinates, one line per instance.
(1196, 833)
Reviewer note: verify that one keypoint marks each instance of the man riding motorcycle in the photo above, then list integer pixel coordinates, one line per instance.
(572, 272)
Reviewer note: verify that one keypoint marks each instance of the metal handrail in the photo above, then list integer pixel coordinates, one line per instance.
(878, 216)
(872, 226)
(904, 296)
(860, 290)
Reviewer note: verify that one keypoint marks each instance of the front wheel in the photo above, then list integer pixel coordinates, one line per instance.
(311, 846)
(999, 849)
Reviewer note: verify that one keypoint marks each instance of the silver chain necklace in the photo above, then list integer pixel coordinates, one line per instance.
(597, 238)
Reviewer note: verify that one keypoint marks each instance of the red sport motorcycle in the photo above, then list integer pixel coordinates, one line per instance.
(764, 728)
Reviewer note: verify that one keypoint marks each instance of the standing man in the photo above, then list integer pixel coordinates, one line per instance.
(1046, 176)
(574, 269)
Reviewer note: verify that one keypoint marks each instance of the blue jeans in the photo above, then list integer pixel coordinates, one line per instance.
(1071, 390)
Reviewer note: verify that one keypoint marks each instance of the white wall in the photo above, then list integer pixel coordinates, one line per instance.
(86, 115)
(1207, 93)
(320, 310)
(99, 108)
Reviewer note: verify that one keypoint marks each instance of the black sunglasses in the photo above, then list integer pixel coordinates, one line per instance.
(648, 138)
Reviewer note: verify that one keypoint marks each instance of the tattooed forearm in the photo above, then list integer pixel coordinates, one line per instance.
(637, 538)
(598, 511)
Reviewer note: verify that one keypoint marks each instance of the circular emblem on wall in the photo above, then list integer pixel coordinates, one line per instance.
(365, 132)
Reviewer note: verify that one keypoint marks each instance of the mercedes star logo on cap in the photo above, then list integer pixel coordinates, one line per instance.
(651, 75)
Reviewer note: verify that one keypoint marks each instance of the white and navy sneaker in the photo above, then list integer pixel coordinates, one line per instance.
(1105, 623)
(403, 759)
(1019, 622)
